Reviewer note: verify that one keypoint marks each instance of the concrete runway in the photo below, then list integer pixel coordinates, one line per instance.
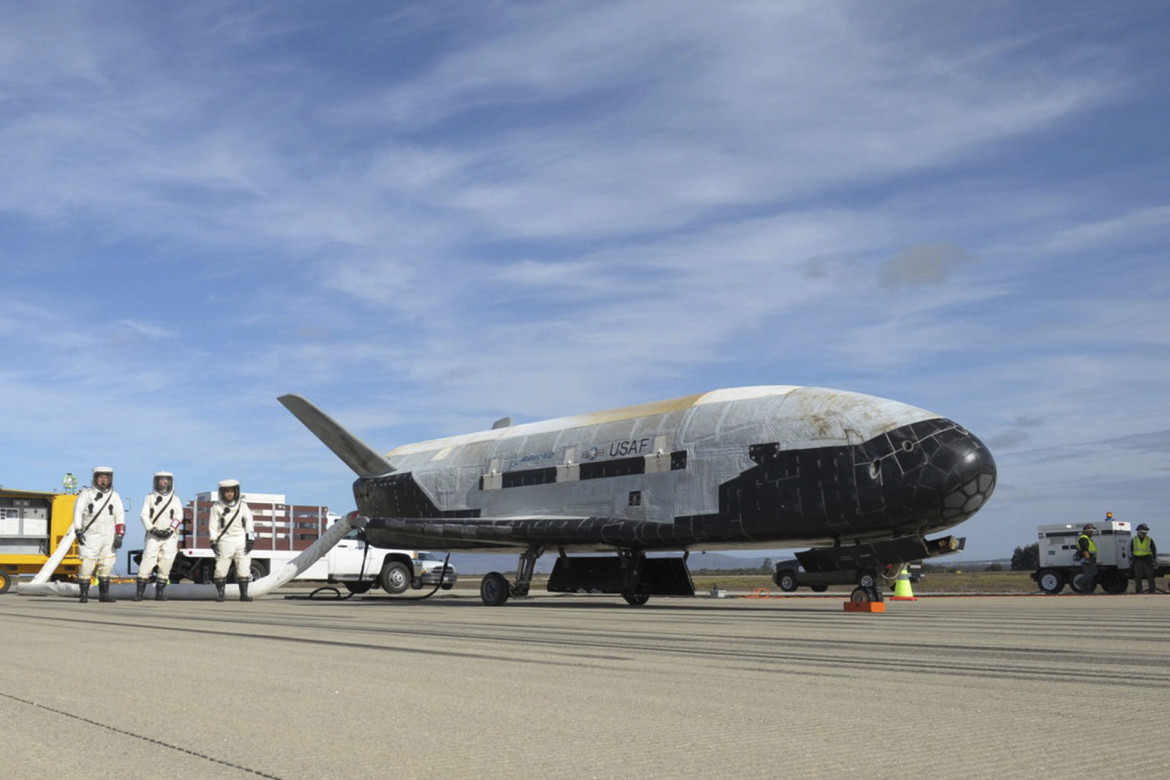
(576, 687)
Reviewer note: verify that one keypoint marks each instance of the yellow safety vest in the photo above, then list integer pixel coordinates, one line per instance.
(1141, 546)
(1092, 544)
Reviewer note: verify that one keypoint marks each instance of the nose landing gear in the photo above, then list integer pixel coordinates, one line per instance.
(863, 593)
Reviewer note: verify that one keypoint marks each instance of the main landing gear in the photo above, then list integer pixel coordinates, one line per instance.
(635, 591)
(629, 573)
(495, 589)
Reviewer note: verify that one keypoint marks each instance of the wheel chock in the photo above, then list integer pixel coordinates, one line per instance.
(758, 593)
(865, 606)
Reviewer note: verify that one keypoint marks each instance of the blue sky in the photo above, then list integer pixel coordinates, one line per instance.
(428, 215)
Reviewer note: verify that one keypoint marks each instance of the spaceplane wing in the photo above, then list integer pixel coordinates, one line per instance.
(750, 467)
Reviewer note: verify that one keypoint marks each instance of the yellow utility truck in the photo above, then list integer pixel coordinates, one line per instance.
(31, 526)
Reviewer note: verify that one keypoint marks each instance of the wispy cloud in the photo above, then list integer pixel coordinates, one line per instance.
(430, 215)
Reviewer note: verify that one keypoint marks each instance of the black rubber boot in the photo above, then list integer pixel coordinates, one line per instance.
(84, 585)
(139, 589)
(219, 589)
(104, 591)
(159, 587)
(244, 590)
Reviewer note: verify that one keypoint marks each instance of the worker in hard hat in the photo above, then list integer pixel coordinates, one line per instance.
(99, 522)
(232, 536)
(1087, 555)
(162, 516)
(1142, 556)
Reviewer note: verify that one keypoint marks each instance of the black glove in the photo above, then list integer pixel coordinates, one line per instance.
(248, 545)
(215, 549)
(81, 537)
(118, 542)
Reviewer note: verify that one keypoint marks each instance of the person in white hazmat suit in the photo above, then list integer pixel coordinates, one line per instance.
(99, 521)
(232, 537)
(162, 516)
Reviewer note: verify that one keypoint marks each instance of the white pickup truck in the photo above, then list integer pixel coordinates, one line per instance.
(349, 562)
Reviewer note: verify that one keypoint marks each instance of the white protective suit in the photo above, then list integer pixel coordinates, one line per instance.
(237, 520)
(161, 512)
(97, 516)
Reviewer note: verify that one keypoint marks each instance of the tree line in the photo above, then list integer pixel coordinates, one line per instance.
(1026, 558)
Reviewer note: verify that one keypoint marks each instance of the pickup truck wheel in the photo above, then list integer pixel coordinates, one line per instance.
(258, 570)
(818, 588)
(786, 581)
(867, 580)
(358, 587)
(1050, 581)
(202, 572)
(5, 581)
(394, 578)
(494, 589)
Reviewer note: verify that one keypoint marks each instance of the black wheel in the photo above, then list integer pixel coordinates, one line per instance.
(1076, 582)
(5, 581)
(395, 577)
(258, 570)
(494, 589)
(636, 599)
(1050, 581)
(358, 587)
(786, 581)
(447, 585)
(203, 572)
(865, 594)
(818, 588)
(1114, 582)
(867, 580)
(182, 567)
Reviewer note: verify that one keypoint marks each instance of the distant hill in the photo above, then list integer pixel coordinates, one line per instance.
(970, 564)
(468, 564)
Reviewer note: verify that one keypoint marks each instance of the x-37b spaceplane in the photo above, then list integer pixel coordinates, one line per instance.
(860, 480)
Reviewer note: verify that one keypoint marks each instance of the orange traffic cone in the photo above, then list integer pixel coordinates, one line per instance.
(902, 589)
